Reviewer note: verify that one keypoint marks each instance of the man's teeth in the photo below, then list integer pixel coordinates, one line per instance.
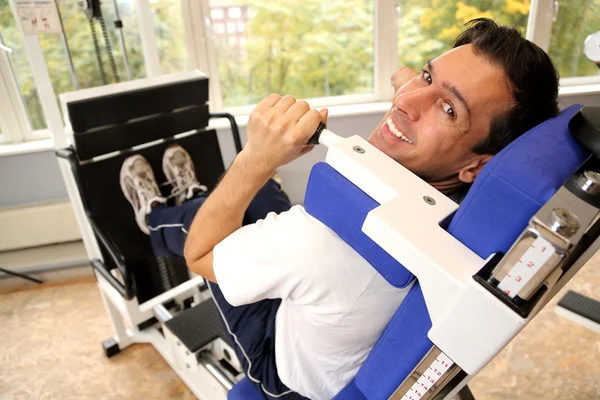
(396, 131)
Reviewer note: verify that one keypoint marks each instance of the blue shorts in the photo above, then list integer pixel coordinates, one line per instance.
(251, 327)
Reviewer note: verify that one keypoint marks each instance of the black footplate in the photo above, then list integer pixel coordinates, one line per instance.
(198, 326)
(581, 305)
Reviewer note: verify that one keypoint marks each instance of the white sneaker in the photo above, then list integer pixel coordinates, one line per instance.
(179, 170)
(140, 188)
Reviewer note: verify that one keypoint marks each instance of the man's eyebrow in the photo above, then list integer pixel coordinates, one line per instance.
(452, 89)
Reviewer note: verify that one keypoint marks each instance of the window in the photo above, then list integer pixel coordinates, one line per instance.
(89, 71)
(428, 28)
(216, 13)
(306, 48)
(234, 12)
(16, 68)
(574, 22)
(219, 28)
(170, 38)
(231, 27)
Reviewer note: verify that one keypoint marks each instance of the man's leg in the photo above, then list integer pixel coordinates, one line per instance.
(169, 226)
(252, 332)
(251, 327)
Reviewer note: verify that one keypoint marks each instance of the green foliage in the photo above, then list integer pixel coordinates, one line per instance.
(576, 20)
(428, 28)
(308, 49)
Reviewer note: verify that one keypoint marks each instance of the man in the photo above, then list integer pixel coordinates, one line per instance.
(303, 308)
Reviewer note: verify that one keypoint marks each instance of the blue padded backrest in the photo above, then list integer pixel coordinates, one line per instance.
(509, 190)
(515, 184)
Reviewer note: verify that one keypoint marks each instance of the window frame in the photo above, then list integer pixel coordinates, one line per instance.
(13, 117)
(200, 44)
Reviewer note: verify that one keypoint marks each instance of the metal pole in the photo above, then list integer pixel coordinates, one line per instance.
(119, 26)
(72, 73)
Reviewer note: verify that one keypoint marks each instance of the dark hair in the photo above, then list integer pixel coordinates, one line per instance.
(530, 73)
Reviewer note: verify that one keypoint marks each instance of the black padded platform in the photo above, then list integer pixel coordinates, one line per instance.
(198, 326)
(581, 305)
(109, 138)
(105, 204)
(120, 107)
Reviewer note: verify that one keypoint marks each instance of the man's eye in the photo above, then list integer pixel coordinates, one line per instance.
(449, 110)
(427, 77)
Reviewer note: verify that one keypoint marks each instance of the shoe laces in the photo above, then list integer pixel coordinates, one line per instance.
(184, 179)
(146, 190)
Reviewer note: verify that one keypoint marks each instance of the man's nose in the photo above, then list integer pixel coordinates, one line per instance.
(414, 103)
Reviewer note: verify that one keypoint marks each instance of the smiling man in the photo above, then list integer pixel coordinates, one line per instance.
(303, 308)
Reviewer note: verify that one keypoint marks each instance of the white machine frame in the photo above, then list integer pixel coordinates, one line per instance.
(126, 315)
(470, 325)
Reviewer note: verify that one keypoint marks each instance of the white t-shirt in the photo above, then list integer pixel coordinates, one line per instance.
(334, 304)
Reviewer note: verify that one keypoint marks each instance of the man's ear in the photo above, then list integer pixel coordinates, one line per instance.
(471, 170)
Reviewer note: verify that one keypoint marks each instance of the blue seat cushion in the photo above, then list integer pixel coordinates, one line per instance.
(245, 390)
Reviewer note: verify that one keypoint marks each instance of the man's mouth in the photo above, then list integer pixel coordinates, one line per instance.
(397, 132)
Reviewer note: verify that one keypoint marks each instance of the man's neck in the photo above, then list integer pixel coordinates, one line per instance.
(448, 186)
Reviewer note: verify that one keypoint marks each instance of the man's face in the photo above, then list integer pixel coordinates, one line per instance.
(440, 115)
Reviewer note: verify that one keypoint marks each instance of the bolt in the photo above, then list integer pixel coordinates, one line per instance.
(563, 222)
(429, 200)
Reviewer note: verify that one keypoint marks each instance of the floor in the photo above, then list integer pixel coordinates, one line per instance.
(50, 349)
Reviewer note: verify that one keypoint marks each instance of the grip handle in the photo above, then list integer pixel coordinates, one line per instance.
(314, 139)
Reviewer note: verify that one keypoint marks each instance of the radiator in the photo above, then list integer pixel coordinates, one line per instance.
(37, 225)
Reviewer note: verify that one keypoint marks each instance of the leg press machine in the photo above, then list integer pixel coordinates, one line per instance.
(479, 272)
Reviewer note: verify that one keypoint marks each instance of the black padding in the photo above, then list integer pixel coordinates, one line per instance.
(124, 106)
(581, 305)
(585, 127)
(107, 139)
(198, 326)
(104, 201)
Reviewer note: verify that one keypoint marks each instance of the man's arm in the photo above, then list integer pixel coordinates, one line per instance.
(277, 131)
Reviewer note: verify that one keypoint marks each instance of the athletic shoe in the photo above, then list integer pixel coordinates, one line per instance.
(179, 169)
(140, 188)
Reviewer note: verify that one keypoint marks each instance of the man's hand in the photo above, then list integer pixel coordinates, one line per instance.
(278, 131)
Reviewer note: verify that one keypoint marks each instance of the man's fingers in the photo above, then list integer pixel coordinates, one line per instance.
(324, 114)
(283, 105)
(308, 125)
(296, 111)
(268, 102)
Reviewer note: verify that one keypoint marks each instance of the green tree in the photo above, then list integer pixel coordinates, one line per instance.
(428, 28)
(308, 49)
(575, 21)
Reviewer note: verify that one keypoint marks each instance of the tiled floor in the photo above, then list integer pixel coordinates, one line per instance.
(50, 349)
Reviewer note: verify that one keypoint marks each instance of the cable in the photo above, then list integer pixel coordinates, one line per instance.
(97, 48)
(111, 59)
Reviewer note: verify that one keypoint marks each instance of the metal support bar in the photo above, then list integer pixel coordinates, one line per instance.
(119, 27)
(19, 275)
(206, 361)
(234, 129)
(63, 36)
(99, 267)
